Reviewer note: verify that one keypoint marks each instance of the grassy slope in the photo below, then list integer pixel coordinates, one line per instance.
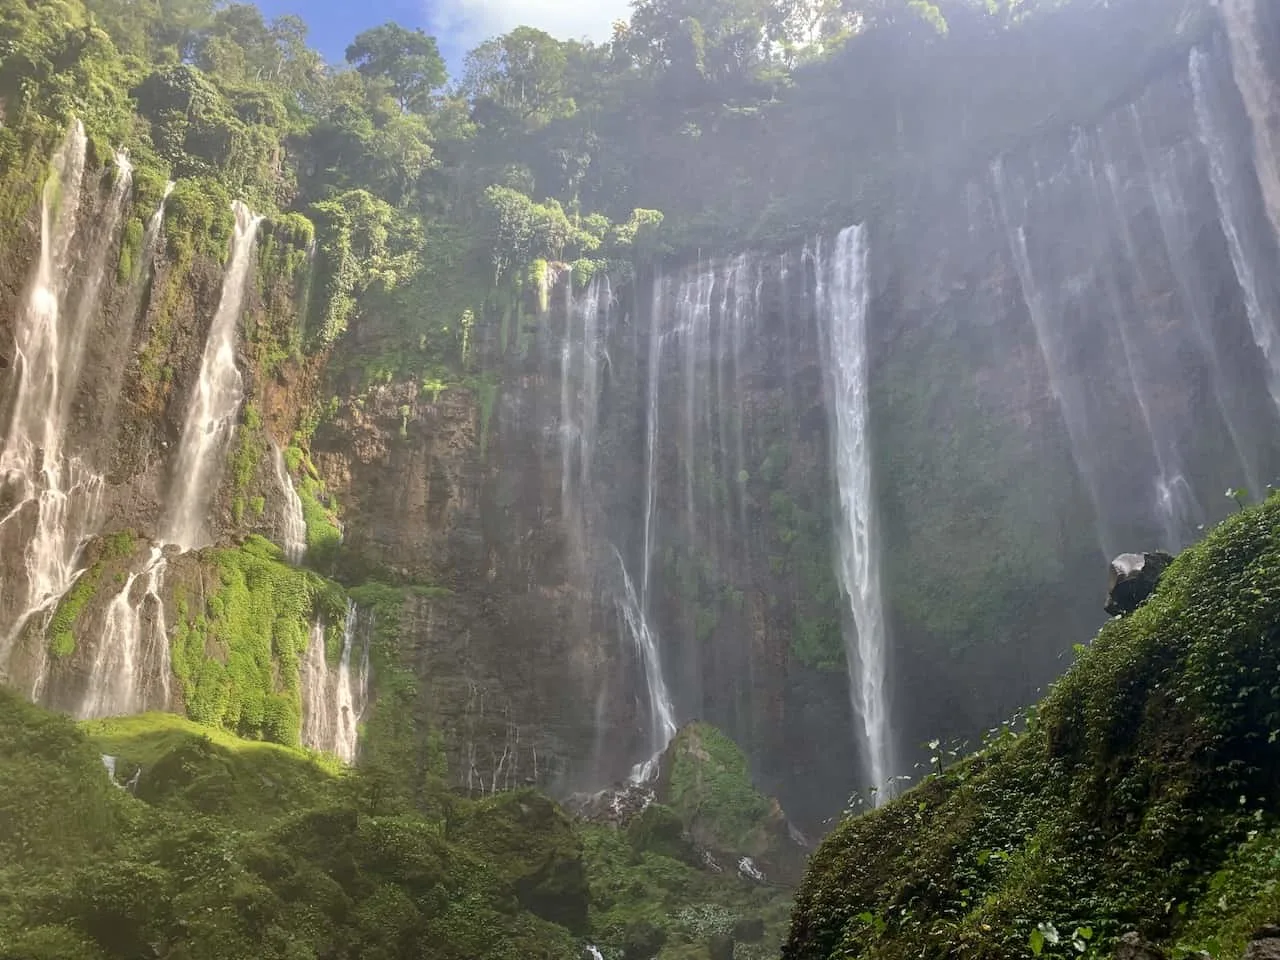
(1120, 806)
(186, 762)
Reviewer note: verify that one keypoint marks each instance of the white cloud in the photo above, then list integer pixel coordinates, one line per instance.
(470, 21)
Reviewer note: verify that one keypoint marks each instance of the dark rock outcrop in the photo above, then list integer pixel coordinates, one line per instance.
(720, 947)
(1133, 947)
(1134, 577)
(1264, 945)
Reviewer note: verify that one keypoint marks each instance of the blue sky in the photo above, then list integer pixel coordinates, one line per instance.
(458, 24)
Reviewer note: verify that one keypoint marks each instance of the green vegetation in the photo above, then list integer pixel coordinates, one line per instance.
(1141, 794)
(237, 851)
(61, 630)
(416, 192)
(646, 903)
(231, 849)
(709, 788)
(320, 512)
(237, 656)
(201, 769)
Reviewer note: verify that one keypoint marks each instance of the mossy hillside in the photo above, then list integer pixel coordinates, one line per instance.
(57, 806)
(1131, 788)
(273, 335)
(647, 903)
(236, 848)
(91, 873)
(236, 653)
(205, 770)
(320, 510)
(534, 852)
(401, 750)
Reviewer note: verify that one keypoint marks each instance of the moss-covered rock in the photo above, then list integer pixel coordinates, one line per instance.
(658, 829)
(706, 782)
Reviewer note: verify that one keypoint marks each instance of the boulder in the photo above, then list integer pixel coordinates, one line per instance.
(1264, 945)
(1134, 577)
(1133, 947)
(721, 947)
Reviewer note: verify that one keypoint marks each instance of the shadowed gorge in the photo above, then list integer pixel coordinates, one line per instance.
(522, 513)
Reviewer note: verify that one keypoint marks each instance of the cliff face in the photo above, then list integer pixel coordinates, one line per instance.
(626, 513)
(1069, 359)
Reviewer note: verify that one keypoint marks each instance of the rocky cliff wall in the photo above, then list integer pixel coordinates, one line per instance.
(1066, 363)
(1070, 354)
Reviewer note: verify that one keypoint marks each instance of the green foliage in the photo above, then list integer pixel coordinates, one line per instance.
(130, 250)
(61, 632)
(408, 61)
(55, 800)
(364, 243)
(235, 850)
(199, 221)
(238, 658)
(659, 830)
(1123, 804)
(205, 770)
(319, 512)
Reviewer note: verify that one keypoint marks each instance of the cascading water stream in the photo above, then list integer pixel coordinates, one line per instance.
(131, 668)
(150, 244)
(334, 701)
(352, 691)
(1147, 363)
(842, 298)
(1258, 303)
(215, 403)
(1171, 206)
(580, 388)
(1068, 391)
(633, 606)
(1261, 99)
(56, 498)
(662, 722)
(293, 524)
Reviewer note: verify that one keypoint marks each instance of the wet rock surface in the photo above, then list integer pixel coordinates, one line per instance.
(1133, 578)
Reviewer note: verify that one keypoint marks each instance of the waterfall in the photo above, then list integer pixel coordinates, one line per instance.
(1069, 390)
(56, 498)
(1259, 300)
(1150, 360)
(317, 722)
(211, 416)
(842, 298)
(352, 691)
(662, 722)
(131, 668)
(1260, 96)
(293, 525)
(580, 386)
(1170, 204)
(150, 244)
(334, 701)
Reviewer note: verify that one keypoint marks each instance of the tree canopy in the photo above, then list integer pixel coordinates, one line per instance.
(699, 125)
